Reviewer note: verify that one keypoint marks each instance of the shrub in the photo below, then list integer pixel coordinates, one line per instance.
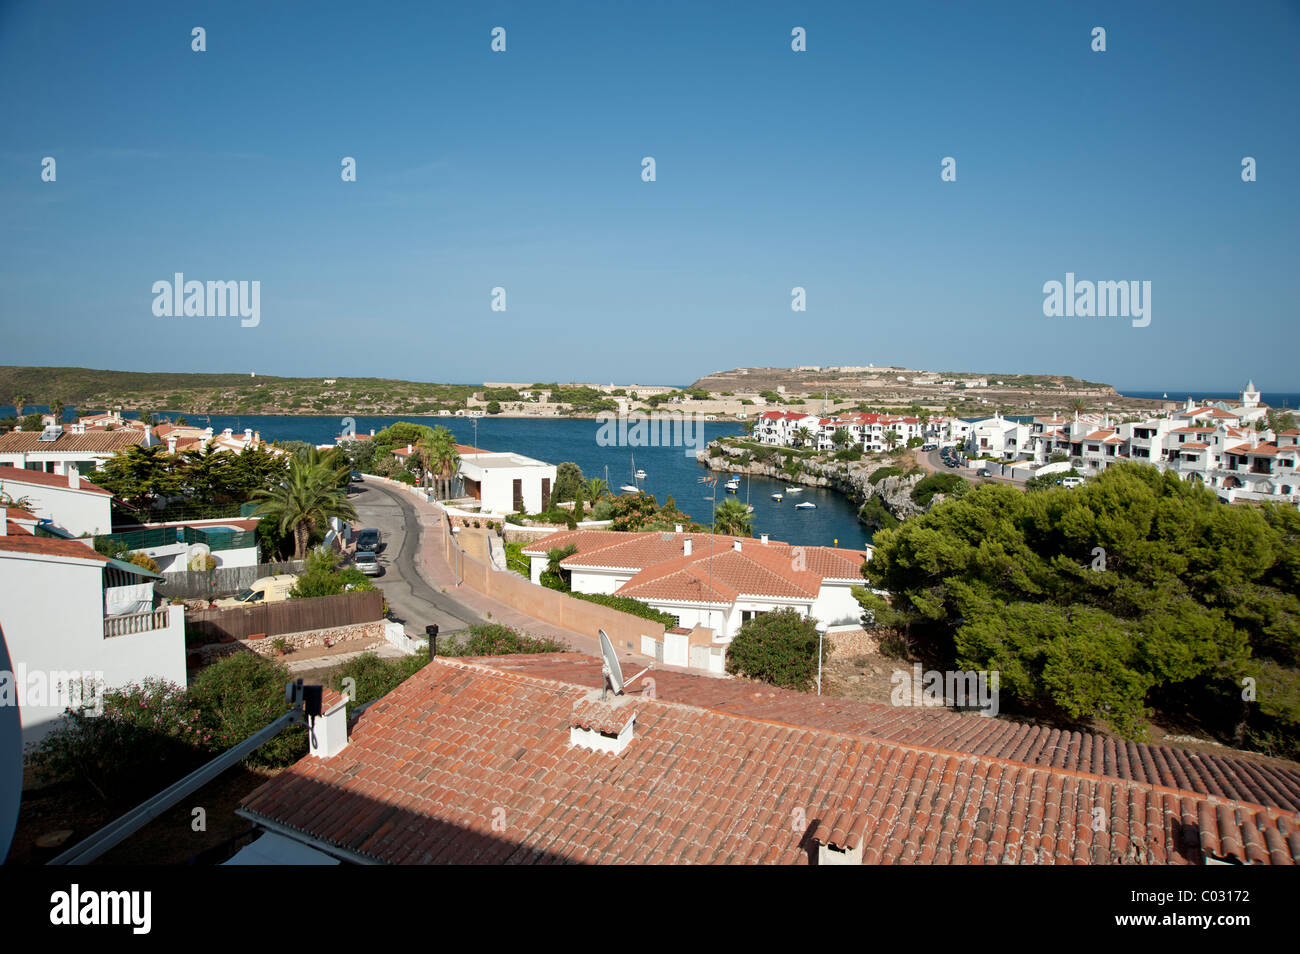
(876, 515)
(779, 648)
(322, 576)
(951, 484)
(629, 605)
(242, 694)
(144, 561)
(149, 735)
(375, 677)
(880, 474)
(493, 639)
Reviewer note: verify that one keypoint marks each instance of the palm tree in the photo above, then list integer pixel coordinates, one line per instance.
(304, 501)
(803, 436)
(594, 488)
(732, 518)
(891, 438)
(440, 457)
(56, 408)
(841, 438)
(20, 402)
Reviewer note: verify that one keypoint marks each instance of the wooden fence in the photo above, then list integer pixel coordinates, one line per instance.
(288, 616)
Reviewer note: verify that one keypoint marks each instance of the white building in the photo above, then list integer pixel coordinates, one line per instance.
(68, 613)
(56, 448)
(710, 581)
(71, 504)
(506, 482)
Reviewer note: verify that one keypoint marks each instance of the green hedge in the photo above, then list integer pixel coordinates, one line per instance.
(629, 605)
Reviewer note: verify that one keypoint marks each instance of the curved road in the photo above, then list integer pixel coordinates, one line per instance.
(409, 597)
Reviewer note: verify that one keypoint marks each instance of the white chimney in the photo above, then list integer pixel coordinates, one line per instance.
(329, 730)
(171, 443)
(74, 477)
(248, 436)
(736, 545)
(410, 448)
(686, 547)
(602, 726)
(763, 538)
(679, 528)
(839, 839)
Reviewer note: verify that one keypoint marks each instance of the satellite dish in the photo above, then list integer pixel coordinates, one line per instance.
(613, 669)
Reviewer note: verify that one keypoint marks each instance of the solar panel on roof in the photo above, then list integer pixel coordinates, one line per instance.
(52, 432)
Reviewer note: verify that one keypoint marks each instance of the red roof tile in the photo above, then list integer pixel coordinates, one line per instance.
(466, 762)
(91, 441)
(49, 546)
(20, 475)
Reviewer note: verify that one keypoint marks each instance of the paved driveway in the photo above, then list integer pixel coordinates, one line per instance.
(410, 598)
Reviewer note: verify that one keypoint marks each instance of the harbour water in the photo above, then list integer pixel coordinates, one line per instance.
(669, 470)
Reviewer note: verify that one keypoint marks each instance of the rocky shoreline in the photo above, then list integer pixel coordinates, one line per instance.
(850, 478)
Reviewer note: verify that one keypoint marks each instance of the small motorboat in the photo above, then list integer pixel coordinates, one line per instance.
(777, 496)
(749, 508)
(640, 475)
(806, 505)
(630, 489)
(793, 490)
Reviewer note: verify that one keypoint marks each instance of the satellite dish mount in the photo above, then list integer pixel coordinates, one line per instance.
(612, 670)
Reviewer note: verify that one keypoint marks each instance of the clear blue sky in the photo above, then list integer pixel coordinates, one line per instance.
(775, 169)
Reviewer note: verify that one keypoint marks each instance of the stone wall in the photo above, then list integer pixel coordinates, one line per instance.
(364, 635)
(854, 642)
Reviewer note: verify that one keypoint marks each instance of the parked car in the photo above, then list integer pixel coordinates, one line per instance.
(356, 476)
(369, 540)
(929, 447)
(368, 563)
(268, 589)
(1072, 482)
(983, 472)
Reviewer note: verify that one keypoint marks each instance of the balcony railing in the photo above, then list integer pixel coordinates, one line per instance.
(136, 622)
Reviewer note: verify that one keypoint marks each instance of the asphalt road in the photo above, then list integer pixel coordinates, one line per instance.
(411, 599)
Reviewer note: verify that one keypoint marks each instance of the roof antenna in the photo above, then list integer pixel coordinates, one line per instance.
(612, 670)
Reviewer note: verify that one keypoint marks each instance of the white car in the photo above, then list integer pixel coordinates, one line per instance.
(368, 563)
(1072, 482)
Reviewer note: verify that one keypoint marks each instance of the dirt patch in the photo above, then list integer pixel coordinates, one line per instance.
(170, 839)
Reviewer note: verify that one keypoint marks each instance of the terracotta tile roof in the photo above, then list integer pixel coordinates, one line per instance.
(20, 475)
(1263, 450)
(1265, 782)
(17, 513)
(49, 546)
(1192, 445)
(437, 765)
(603, 717)
(91, 441)
(845, 830)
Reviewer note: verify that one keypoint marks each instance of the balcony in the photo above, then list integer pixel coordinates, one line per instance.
(132, 623)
